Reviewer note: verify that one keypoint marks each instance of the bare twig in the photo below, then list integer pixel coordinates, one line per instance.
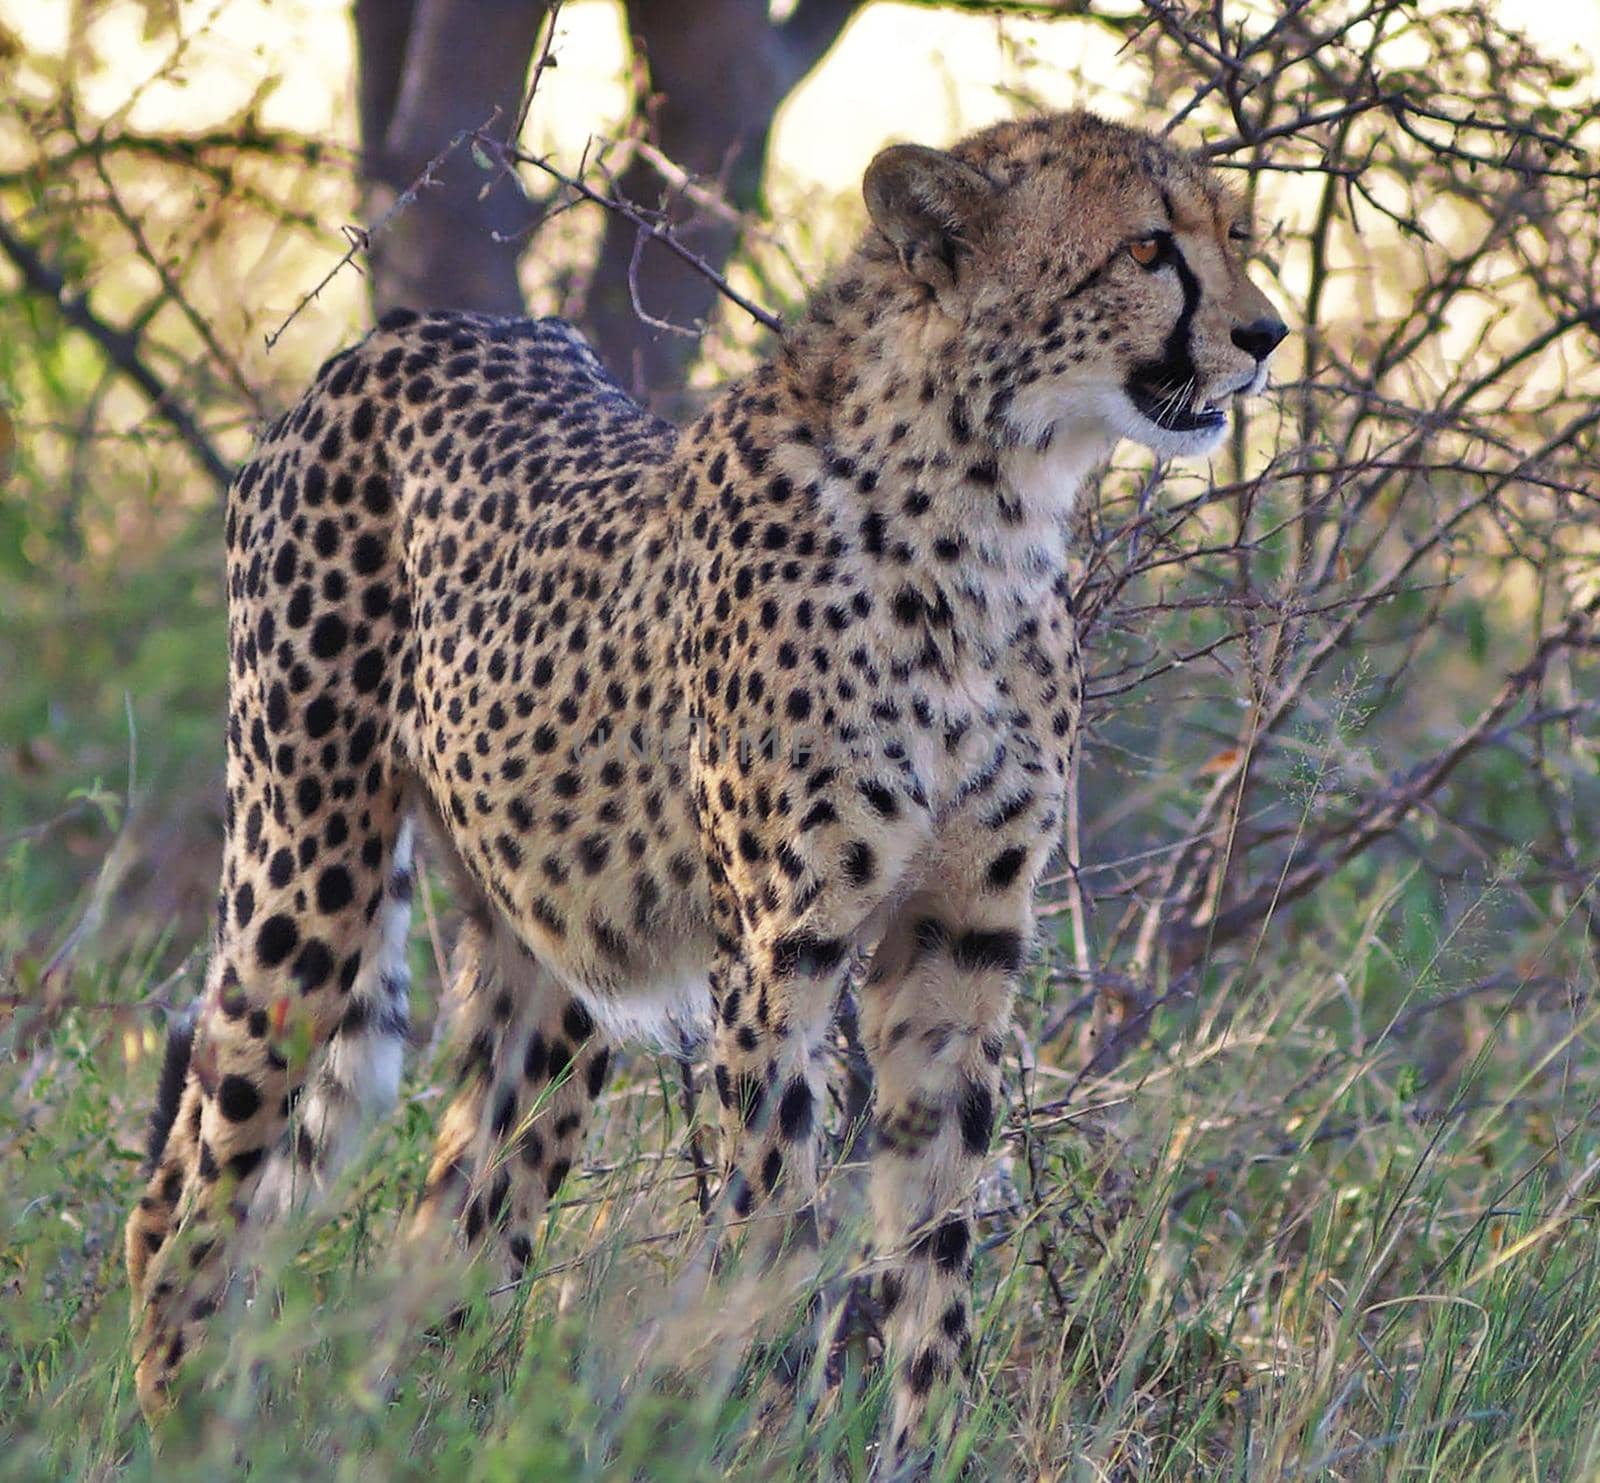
(652, 226)
(124, 349)
(173, 290)
(361, 238)
(546, 60)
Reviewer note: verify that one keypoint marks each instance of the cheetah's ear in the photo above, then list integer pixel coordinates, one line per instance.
(929, 205)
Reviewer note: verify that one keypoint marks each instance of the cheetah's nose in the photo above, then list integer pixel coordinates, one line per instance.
(1261, 338)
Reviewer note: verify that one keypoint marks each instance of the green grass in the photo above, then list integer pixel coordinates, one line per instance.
(1333, 1218)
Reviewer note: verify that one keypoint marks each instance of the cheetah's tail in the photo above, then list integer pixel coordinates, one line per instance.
(169, 1091)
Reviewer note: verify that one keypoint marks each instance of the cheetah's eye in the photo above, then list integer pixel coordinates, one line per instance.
(1239, 233)
(1146, 251)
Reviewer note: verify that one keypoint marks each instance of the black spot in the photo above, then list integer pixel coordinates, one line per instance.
(505, 1113)
(946, 1244)
(608, 939)
(960, 423)
(1004, 868)
(312, 966)
(795, 1110)
(510, 851)
(367, 556)
(890, 1293)
(320, 716)
(804, 952)
(880, 797)
(169, 1093)
(930, 936)
(367, 673)
(329, 636)
(308, 795)
(536, 1058)
(243, 1165)
(277, 708)
(285, 565)
(821, 812)
(1011, 810)
(976, 1111)
(978, 951)
(859, 862)
(771, 1170)
(789, 862)
(906, 607)
(558, 1173)
(238, 1099)
(334, 890)
(747, 1096)
(577, 1022)
(277, 938)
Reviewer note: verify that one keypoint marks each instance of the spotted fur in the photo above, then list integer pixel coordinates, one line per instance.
(697, 715)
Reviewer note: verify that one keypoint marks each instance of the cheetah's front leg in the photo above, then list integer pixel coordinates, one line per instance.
(773, 1015)
(774, 1004)
(937, 1007)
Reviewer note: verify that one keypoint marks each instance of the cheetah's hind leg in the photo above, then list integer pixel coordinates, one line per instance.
(295, 946)
(531, 1061)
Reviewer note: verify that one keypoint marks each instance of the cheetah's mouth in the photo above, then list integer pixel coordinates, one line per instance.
(1176, 408)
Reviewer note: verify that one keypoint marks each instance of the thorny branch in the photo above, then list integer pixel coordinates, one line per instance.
(652, 226)
(360, 238)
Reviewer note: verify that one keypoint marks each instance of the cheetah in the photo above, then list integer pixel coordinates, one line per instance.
(696, 717)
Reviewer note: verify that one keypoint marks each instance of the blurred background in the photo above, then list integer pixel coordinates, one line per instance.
(1339, 769)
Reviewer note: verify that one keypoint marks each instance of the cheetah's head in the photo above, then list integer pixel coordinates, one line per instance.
(1094, 272)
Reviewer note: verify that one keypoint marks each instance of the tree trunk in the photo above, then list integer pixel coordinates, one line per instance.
(716, 72)
(430, 69)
